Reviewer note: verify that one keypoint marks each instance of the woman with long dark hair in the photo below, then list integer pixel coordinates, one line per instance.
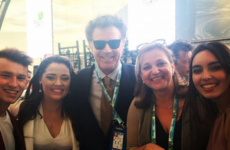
(210, 84)
(43, 116)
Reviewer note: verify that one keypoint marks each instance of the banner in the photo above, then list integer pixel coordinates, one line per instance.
(39, 27)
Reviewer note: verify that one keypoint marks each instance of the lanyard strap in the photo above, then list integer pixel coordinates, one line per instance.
(112, 101)
(172, 128)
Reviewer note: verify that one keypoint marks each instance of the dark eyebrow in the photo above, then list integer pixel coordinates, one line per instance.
(196, 66)
(22, 75)
(51, 74)
(6, 72)
(213, 63)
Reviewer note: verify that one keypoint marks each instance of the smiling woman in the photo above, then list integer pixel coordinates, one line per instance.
(154, 117)
(43, 116)
(210, 81)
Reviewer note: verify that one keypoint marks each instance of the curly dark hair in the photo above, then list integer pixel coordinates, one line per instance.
(105, 21)
(29, 107)
(180, 45)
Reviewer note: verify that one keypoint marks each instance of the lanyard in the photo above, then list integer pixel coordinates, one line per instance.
(172, 128)
(112, 101)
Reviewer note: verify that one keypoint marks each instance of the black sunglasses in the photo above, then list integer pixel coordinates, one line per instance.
(113, 44)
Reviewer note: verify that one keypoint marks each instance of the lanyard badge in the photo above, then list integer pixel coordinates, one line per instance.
(119, 131)
(172, 128)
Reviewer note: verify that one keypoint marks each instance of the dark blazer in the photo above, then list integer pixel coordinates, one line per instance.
(19, 140)
(84, 123)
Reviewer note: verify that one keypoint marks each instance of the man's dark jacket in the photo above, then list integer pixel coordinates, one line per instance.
(18, 138)
(85, 125)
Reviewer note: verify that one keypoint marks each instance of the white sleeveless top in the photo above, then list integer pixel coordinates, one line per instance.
(43, 139)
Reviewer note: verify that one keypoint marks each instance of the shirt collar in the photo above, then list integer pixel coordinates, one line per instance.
(112, 75)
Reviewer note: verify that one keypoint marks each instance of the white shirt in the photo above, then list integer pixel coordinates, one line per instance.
(96, 91)
(43, 139)
(6, 129)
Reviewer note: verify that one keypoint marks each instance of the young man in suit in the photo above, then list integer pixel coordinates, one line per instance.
(13, 74)
(106, 36)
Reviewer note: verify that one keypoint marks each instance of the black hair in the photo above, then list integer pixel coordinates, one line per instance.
(222, 53)
(29, 107)
(180, 45)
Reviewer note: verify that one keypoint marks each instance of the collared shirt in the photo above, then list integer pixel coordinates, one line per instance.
(96, 91)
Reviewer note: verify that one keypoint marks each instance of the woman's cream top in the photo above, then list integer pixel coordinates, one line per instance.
(43, 139)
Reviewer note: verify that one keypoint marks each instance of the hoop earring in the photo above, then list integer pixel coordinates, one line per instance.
(40, 88)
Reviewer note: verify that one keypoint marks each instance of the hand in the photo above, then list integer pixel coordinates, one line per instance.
(151, 146)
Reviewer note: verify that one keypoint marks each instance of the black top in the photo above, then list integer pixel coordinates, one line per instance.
(162, 136)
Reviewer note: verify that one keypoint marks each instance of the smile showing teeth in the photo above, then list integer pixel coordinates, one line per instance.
(107, 58)
(154, 79)
(12, 92)
(57, 90)
(209, 86)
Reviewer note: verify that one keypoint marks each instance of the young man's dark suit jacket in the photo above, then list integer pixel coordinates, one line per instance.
(84, 123)
(18, 138)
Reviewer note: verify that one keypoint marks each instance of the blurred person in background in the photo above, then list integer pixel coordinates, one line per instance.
(182, 51)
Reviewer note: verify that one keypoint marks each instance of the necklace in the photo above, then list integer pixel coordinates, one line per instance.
(169, 107)
(50, 124)
(172, 128)
(165, 107)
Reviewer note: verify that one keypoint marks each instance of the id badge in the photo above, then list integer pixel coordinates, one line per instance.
(118, 138)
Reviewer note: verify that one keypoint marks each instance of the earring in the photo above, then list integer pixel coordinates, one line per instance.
(40, 88)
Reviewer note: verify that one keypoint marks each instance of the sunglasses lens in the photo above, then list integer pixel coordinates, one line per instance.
(99, 45)
(114, 44)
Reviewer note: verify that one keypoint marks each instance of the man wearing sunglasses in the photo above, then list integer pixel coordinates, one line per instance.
(106, 37)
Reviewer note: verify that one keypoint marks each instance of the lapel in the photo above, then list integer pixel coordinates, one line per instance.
(123, 85)
(126, 91)
(28, 131)
(88, 80)
(75, 143)
(19, 140)
(88, 120)
(2, 145)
